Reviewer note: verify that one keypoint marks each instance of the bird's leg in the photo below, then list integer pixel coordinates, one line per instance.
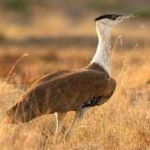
(80, 114)
(59, 123)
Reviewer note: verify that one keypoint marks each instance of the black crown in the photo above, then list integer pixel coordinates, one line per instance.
(108, 16)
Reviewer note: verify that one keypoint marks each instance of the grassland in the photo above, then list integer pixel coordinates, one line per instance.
(121, 124)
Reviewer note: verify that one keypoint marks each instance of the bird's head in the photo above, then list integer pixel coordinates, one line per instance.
(108, 21)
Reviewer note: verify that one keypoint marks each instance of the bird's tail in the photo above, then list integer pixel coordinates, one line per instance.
(8, 120)
(20, 113)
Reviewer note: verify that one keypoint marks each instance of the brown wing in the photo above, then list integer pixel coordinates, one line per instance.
(71, 91)
(64, 93)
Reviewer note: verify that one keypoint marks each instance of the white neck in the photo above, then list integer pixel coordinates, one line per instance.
(103, 52)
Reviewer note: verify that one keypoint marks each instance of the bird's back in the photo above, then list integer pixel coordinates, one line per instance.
(66, 92)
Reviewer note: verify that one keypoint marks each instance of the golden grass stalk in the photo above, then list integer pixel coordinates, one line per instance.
(125, 62)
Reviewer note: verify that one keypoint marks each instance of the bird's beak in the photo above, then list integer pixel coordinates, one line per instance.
(123, 17)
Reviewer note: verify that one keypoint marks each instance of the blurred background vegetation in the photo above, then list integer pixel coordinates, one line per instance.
(22, 6)
(46, 26)
(72, 7)
(95, 4)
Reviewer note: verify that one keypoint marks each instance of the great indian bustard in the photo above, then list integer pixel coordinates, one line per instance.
(76, 90)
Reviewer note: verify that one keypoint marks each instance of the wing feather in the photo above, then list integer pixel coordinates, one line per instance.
(62, 92)
(71, 91)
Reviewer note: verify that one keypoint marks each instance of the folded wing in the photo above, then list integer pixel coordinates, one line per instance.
(68, 91)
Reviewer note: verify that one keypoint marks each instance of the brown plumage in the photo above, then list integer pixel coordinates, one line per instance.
(63, 91)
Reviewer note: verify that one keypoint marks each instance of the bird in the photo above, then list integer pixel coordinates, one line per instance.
(71, 90)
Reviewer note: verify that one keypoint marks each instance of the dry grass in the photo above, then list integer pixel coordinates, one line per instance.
(120, 124)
